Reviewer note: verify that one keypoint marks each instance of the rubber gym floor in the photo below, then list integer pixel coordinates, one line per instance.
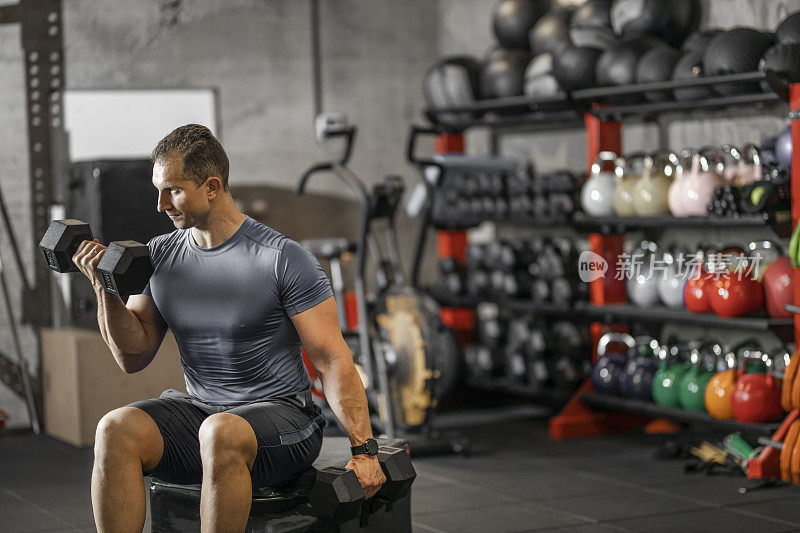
(517, 479)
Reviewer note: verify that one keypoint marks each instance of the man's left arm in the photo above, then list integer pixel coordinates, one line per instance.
(319, 332)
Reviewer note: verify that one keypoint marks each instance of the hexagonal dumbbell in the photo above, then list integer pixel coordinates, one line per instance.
(125, 268)
(61, 241)
(399, 472)
(337, 494)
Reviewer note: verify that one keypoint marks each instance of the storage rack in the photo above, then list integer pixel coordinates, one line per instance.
(587, 413)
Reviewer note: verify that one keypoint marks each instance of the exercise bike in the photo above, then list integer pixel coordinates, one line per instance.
(410, 360)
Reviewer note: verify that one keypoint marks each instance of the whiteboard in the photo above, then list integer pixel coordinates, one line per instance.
(127, 124)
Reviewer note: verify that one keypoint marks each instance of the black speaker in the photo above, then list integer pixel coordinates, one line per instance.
(118, 200)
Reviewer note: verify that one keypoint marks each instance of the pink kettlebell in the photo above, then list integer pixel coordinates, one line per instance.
(690, 192)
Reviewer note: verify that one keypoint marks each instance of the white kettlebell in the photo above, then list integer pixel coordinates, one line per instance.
(643, 275)
(672, 282)
(597, 194)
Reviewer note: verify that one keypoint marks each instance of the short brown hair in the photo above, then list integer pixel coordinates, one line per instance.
(201, 154)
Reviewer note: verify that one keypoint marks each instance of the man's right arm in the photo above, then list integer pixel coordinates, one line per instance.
(133, 332)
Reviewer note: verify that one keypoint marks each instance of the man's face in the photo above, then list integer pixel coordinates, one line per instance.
(186, 204)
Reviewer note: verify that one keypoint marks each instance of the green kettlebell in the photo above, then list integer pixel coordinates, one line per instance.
(692, 385)
(666, 378)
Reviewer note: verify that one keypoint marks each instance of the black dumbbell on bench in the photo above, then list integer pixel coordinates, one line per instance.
(337, 494)
(324, 498)
(125, 268)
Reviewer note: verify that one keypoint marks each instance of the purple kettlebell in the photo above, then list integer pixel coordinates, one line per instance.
(637, 381)
(610, 365)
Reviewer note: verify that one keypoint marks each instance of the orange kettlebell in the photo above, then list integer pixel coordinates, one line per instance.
(720, 388)
(718, 394)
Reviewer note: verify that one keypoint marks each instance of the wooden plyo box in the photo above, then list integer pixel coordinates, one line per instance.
(82, 381)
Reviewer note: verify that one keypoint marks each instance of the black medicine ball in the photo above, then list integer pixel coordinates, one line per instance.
(539, 79)
(513, 20)
(593, 13)
(503, 73)
(617, 65)
(698, 40)
(789, 30)
(670, 20)
(690, 66)
(452, 81)
(551, 32)
(574, 68)
(735, 51)
(781, 63)
(656, 65)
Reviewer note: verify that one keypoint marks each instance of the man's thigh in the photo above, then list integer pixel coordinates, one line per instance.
(289, 439)
(178, 418)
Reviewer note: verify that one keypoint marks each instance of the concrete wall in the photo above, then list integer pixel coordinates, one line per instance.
(258, 55)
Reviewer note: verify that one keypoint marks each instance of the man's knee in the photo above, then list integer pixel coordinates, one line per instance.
(126, 432)
(227, 436)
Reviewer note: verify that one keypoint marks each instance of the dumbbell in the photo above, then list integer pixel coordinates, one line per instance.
(451, 275)
(337, 494)
(478, 283)
(492, 332)
(506, 257)
(540, 290)
(501, 208)
(515, 364)
(124, 269)
(479, 360)
(518, 284)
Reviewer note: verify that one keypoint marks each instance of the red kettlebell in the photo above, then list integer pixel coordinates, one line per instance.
(734, 292)
(732, 295)
(756, 397)
(696, 292)
(778, 286)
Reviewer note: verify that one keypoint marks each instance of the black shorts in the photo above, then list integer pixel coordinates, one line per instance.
(289, 433)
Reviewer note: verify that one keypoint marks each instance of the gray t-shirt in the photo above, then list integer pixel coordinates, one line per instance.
(229, 308)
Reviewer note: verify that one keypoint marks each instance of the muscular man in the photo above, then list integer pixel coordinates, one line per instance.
(240, 299)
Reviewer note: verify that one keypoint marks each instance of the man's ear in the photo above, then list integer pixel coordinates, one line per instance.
(214, 185)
